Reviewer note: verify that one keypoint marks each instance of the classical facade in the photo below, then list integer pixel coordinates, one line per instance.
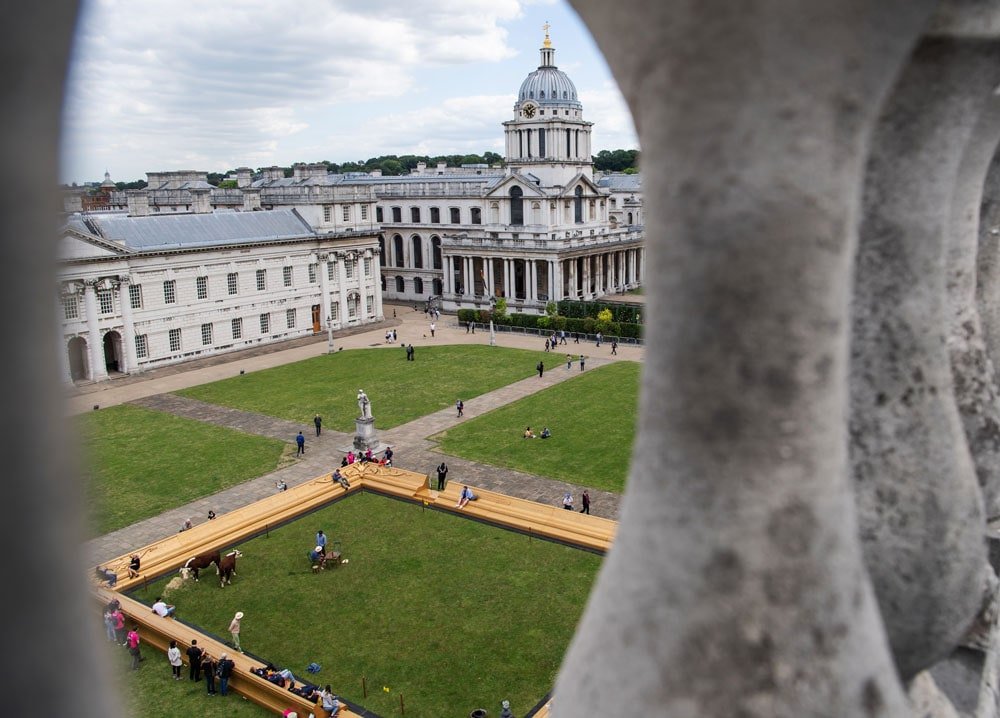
(138, 291)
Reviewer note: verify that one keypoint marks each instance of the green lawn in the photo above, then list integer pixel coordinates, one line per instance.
(141, 463)
(450, 613)
(592, 419)
(400, 391)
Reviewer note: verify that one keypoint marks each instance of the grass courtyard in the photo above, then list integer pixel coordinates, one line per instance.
(400, 391)
(592, 419)
(141, 463)
(450, 613)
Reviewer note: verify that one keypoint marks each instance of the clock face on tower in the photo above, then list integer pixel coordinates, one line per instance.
(529, 111)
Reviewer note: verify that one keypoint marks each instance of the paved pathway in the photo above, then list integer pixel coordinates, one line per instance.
(414, 451)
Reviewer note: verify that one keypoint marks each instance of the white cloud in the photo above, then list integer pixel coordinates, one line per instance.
(613, 127)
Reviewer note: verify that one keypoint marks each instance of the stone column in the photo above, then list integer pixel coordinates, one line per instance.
(128, 325)
(98, 369)
(556, 291)
(735, 586)
(324, 288)
(341, 258)
(506, 278)
(379, 315)
(470, 280)
(920, 507)
(972, 368)
(62, 343)
(446, 284)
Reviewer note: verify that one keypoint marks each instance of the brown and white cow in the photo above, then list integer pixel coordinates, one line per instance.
(227, 568)
(196, 563)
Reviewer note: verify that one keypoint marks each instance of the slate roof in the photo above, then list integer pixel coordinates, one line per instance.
(621, 182)
(189, 231)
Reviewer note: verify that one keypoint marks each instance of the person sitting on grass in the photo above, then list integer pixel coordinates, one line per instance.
(465, 497)
(318, 556)
(545, 432)
(528, 433)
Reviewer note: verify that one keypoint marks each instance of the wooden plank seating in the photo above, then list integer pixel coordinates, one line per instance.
(228, 530)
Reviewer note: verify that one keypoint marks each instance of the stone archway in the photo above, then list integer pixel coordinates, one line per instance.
(77, 350)
(113, 355)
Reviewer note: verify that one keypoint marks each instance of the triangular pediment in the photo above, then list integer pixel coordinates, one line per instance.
(74, 244)
(581, 180)
(502, 188)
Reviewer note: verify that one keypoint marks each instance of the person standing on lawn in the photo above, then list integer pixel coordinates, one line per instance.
(194, 654)
(318, 423)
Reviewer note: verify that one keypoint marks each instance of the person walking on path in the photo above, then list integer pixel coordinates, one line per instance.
(234, 631)
(442, 470)
(208, 668)
(300, 442)
(568, 501)
(562, 336)
(614, 348)
(586, 502)
(582, 360)
(174, 657)
(318, 422)
(569, 361)
(541, 369)
(599, 337)
(194, 655)
(133, 647)
(225, 670)
(432, 330)
(460, 406)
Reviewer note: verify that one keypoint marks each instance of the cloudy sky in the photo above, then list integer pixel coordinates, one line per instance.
(212, 86)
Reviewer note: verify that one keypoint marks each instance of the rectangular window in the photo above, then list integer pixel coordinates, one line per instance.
(141, 346)
(327, 213)
(435, 215)
(201, 284)
(477, 215)
(135, 296)
(206, 334)
(347, 212)
(232, 281)
(349, 268)
(364, 213)
(175, 340)
(106, 302)
(352, 308)
(169, 291)
(290, 318)
(369, 305)
(261, 280)
(71, 307)
(378, 215)
(333, 311)
(265, 323)
(414, 214)
(238, 328)
(286, 273)
(331, 266)
(456, 216)
(368, 266)
(312, 273)
(397, 214)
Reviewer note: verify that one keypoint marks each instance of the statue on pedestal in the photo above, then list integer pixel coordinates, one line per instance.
(364, 404)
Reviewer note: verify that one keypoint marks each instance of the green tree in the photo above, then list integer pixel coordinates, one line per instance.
(551, 309)
(391, 167)
(500, 308)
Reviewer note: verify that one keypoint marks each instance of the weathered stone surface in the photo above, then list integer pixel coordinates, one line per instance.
(928, 700)
(920, 507)
(735, 586)
(972, 370)
(988, 265)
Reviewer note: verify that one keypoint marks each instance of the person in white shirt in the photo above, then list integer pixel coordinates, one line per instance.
(163, 609)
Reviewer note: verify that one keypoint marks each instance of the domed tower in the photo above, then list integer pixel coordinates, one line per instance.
(548, 136)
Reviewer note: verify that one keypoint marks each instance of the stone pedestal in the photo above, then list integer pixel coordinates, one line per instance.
(365, 437)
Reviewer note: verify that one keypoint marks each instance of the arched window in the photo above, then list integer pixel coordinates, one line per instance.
(436, 253)
(397, 249)
(516, 206)
(381, 250)
(417, 252)
(400, 287)
(477, 215)
(436, 287)
(383, 282)
(418, 285)
(630, 218)
(578, 205)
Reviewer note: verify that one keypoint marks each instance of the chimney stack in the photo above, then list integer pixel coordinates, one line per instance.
(251, 199)
(244, 177)
(201, 200)
(138, 202)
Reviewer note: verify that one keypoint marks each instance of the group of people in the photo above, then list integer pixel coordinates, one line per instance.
(529, 434)
(390, 336)
(366, 456)
(585, 498)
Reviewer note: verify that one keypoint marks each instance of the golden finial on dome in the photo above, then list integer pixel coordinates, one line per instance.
(548, 42)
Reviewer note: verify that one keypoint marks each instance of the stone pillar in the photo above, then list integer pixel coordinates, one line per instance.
(128, 325)
(735, 585)
(377, 286)
(341, 258)
(920, 507)
(62, 343)
(556, 291)
(971, 366)
(324, 300)
(448, 277)
(95, 345)
(506, 278)
(470, 281)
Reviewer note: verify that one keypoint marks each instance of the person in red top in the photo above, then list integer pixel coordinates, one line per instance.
(133, 647)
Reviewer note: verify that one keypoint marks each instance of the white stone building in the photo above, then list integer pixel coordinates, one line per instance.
(139, 290)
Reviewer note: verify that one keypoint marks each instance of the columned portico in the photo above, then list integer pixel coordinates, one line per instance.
(128, 325)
